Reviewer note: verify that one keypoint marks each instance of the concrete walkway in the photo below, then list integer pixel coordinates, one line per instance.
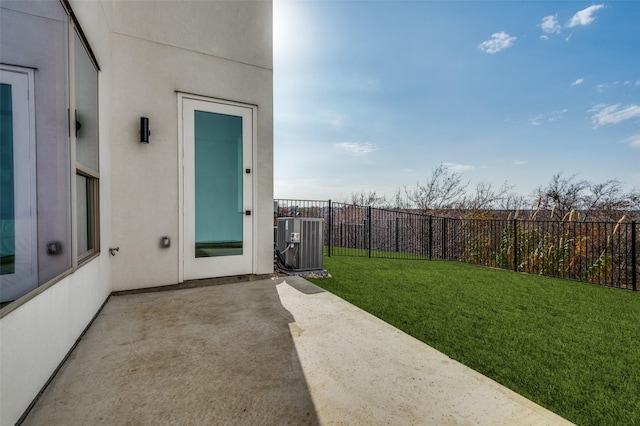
(267, 352)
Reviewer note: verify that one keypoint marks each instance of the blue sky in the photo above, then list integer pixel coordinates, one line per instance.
(373, 95)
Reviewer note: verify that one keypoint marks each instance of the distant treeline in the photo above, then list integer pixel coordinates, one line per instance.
(445, 193)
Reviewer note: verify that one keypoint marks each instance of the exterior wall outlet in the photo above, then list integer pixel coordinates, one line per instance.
(54, 247)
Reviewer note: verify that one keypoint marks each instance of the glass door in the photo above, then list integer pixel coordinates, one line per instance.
(18, 251)
(217, 191)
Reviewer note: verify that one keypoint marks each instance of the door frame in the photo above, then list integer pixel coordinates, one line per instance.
(181, 144)
(27, 77)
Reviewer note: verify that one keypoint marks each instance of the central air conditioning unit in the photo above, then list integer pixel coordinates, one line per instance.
(301, 242)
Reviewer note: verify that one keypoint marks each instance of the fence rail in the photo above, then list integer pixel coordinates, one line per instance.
(604, 253)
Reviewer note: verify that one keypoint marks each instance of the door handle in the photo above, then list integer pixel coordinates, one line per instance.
(246, 212)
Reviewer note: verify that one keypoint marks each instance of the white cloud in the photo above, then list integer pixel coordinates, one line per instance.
(550, 116)
(638, 83)
(550, 25)
(557, 115)
(497, 42)
(585, 16)
(357, 148)
(535, 121)
(457, 167)
(633, 141)
(578, 82)
(613, 114)
(606, 86)
(519, 162)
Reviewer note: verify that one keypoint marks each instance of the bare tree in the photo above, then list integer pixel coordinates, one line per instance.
(634, 201)
(605, 199)
(370, 198)
(588, 200)
(513, 201)
(485, 198)
(562, 194)
(443, 190)
(399, 200)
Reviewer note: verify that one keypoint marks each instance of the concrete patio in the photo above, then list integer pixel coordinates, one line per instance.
(267, 352)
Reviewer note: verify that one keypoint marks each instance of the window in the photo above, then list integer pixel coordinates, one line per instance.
(7, 177)
(18, 268)
(86, 216)
(49, 180)
(86, 150)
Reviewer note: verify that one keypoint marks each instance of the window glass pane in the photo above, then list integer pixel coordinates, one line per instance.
(218, 184)
(86, 113)
(18, 273)
(7, 199)
(34, 36)
(83, 212)
(35, 202)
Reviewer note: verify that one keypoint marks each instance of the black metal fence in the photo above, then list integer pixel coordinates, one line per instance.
(604, 253)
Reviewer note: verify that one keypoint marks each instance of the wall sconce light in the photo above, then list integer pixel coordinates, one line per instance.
(78, 124)
(144, 130)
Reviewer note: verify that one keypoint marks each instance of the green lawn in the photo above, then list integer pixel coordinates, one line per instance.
(571, 347)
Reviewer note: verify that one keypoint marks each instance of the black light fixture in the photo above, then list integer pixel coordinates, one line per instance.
(144, 130)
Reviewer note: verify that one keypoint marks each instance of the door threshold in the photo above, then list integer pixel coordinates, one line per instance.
(204, 282)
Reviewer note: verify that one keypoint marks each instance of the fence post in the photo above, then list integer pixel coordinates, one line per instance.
(444, 238)
(419, 242)
(634, 257)
(397, 234)
(515, 245)
(369, 229)
(430, 236)
(330, 225)
(422, 248)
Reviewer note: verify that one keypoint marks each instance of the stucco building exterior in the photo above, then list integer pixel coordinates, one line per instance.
(92, 203)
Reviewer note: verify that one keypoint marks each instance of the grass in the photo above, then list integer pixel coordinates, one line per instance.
(571, 347)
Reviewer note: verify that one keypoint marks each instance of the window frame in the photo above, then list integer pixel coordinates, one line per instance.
(29, 170)
(75, 168)
(93, 218)
(92, 176)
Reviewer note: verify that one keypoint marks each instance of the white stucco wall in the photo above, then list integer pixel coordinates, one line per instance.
(209, 48)
(35, 337)
(147, 51)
